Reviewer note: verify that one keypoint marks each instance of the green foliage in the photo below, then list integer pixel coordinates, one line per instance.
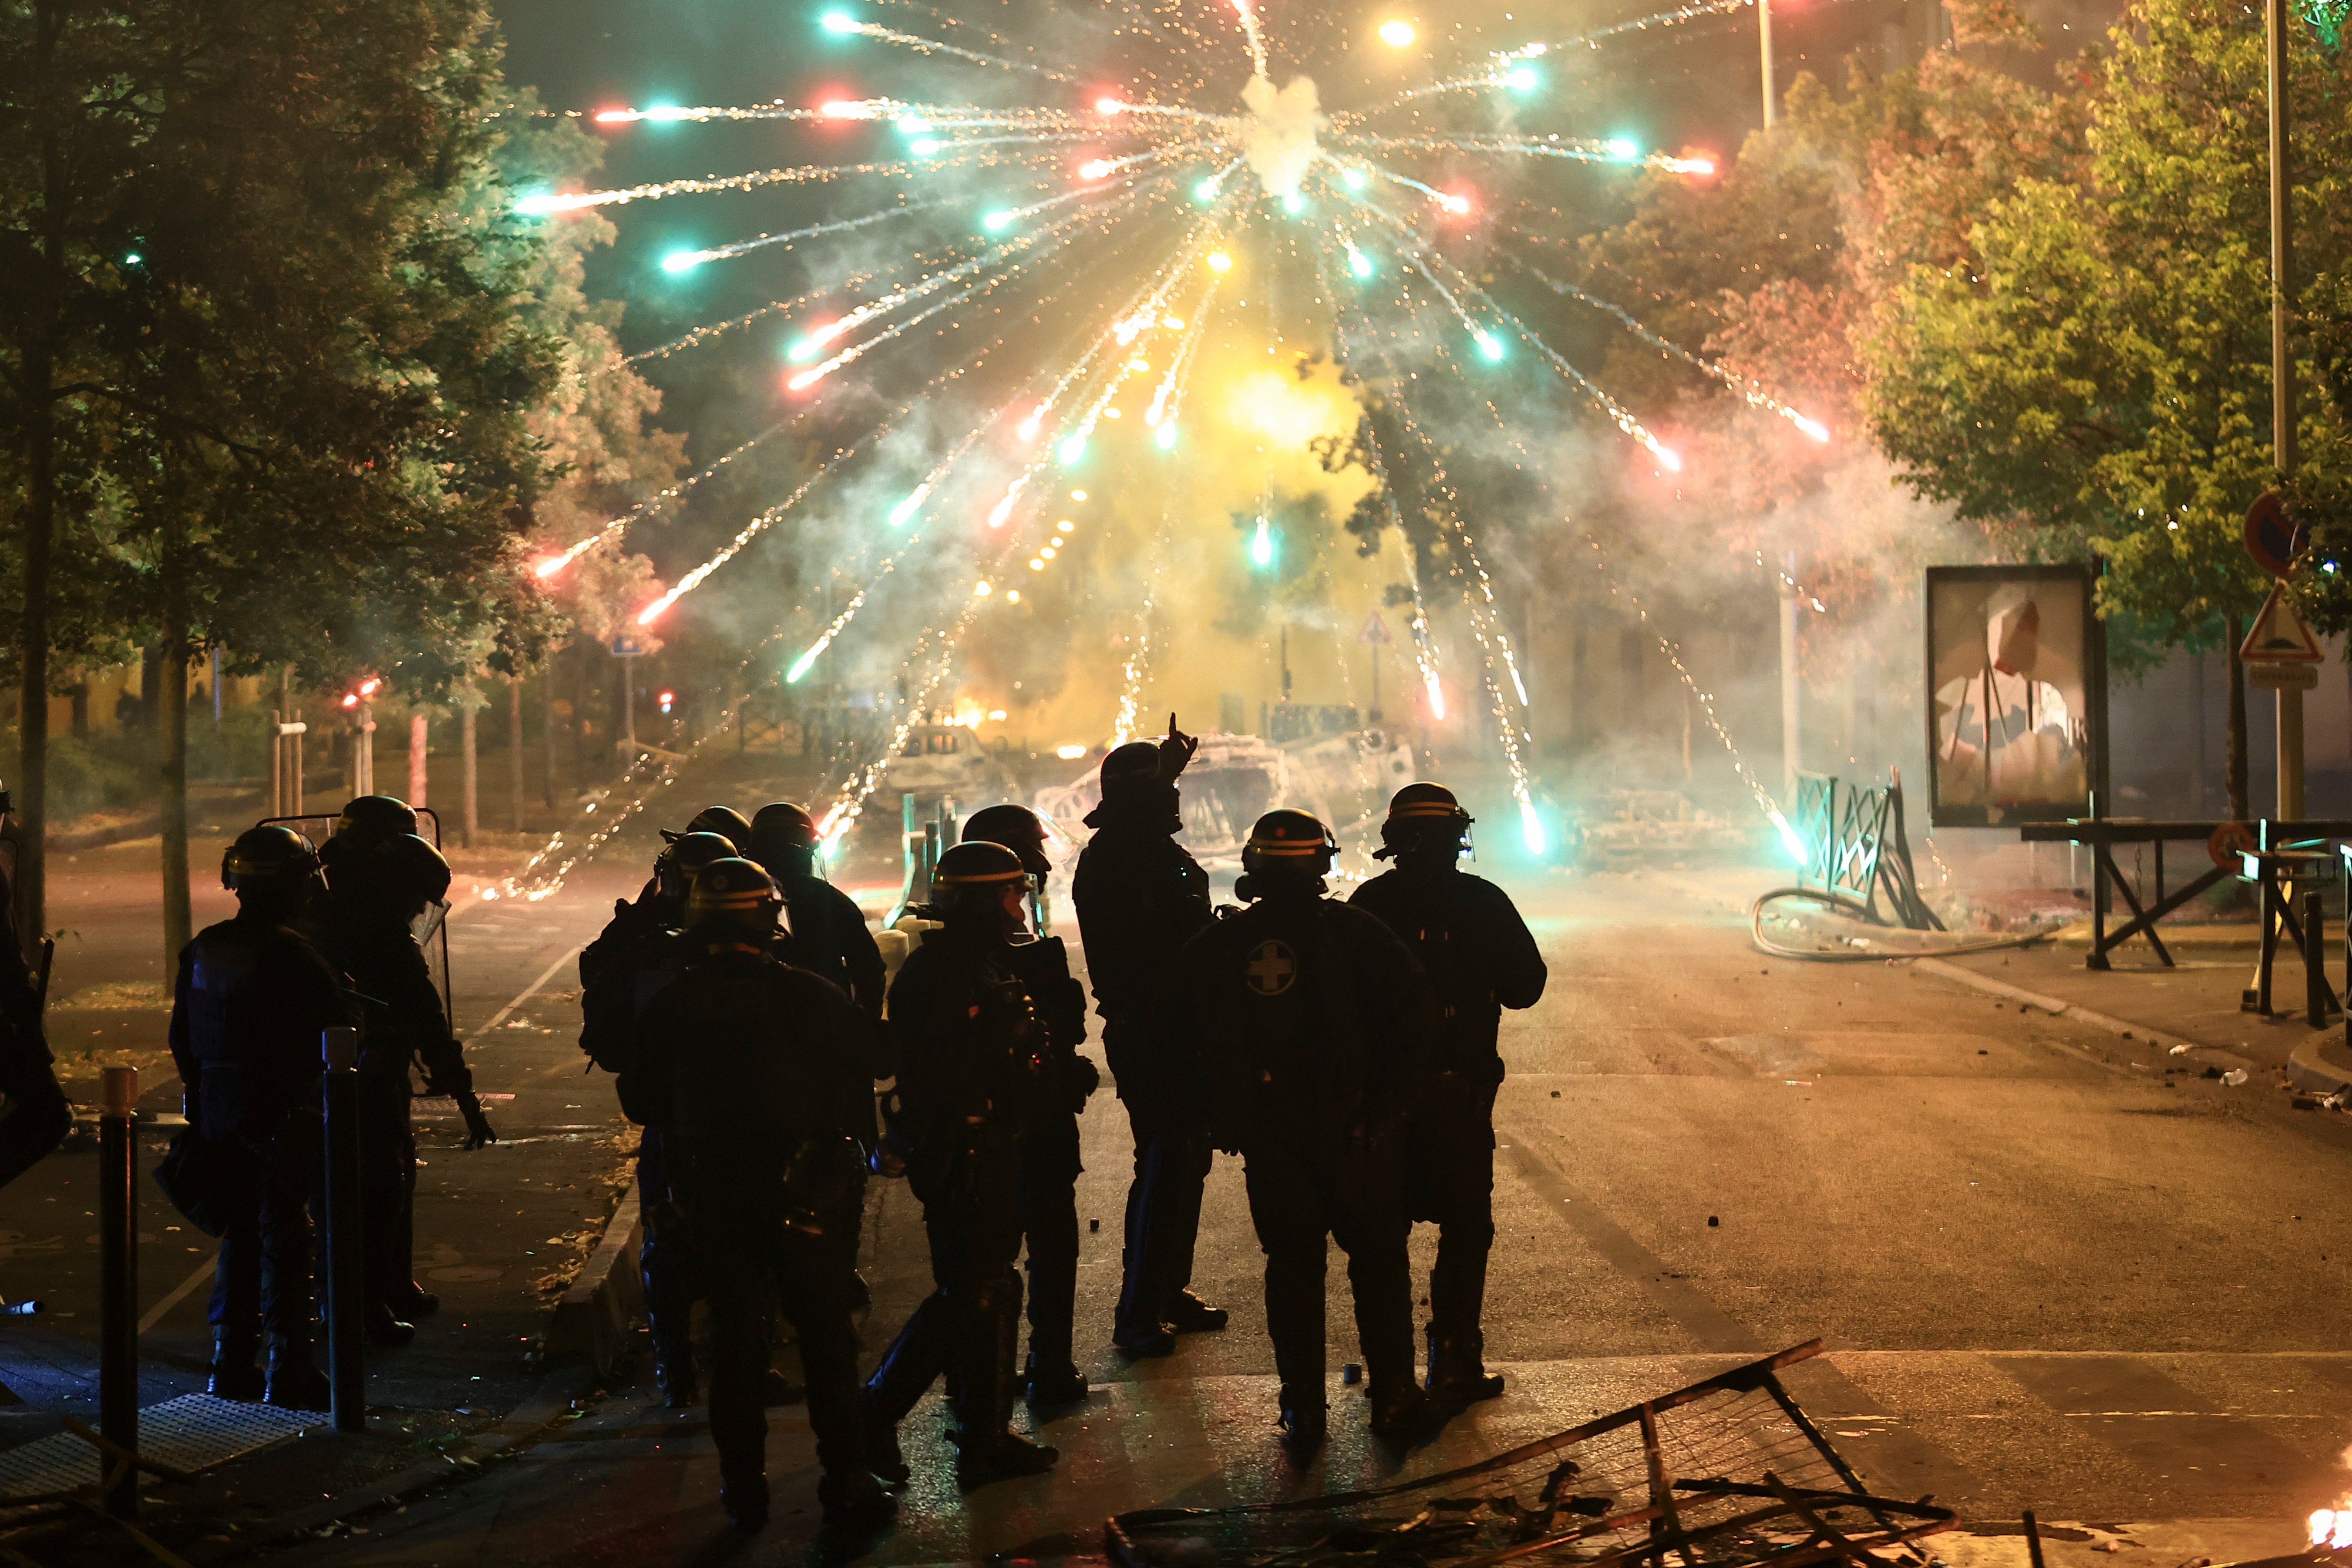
(2094, 371)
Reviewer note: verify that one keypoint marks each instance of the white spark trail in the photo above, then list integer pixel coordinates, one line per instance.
(934, 46)
(576, 201)
(1579, 150)
(1252, 36)
(1752, 392)
(681, 260)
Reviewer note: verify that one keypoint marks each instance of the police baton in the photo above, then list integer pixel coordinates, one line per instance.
(118, 1286)
(346, 1369)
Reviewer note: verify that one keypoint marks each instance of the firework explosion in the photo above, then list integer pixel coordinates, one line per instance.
(1138, 216)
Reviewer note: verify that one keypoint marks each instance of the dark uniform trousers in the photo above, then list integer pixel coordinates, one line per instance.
(1163, 1201)
(264, 1252)
(1046, 1194)
(972, 1218)
(1450, 1181)
(748, 1260)
(37, 1118)
(387, 1172)
(1298, 1197)
(668, 1265)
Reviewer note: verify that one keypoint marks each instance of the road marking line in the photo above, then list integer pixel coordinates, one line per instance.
(530, 990)
(179, 1293)
(2053, 1006)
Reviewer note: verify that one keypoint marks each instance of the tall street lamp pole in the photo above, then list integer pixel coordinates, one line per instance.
(2290, 699)
(1764, 38)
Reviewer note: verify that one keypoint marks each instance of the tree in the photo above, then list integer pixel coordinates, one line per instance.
(2095, 371)
(297, 339)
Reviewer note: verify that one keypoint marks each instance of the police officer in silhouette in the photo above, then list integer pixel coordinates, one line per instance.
(1140, 895)
(1480, 959)
(1309, 1032)
(749, 1069)
(978, 1075)
(1050, 1165)
(251, 1001)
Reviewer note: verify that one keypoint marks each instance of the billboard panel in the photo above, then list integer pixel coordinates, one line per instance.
(2016, 678)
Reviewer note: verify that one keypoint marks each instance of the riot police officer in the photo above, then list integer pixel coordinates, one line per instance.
(1049, 1154)
(1480, 959)
(829, 931)
(377, 901)
(1140, 898)
(249, 1006)
(623, 971)
(977, 1075)
(1308, 1031)
(660, 904)
(39, 1117)
(750, 1069)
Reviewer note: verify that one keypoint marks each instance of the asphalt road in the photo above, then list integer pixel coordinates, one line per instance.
(2046, 1276)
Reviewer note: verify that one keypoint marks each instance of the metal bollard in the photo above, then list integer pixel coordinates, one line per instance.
(2315, 961)
(118, 1288)
(346, 1268)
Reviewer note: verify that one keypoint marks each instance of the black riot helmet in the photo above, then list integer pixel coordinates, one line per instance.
(685, 856)
(270, 868)
(366, 821)
(731, 899)
(724, 820)
(373, 818)
(1128, 766)
(1017, 827)
(968, 885)
(1425, 818)
(1286, 845)
(784, 839)
(408, 874)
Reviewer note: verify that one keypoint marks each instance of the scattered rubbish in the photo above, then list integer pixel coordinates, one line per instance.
(1094, 1224)
(1713, 1220)
(1351, 1372)
(1555, 1094)
(1729, 1471)
(1984, 1053)
(2307, 1102)
(2180, 1050)
(2211, 1072)
(2234, 1076)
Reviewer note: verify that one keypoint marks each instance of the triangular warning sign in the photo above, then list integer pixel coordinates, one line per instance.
(1376, 630)
(2279, 636)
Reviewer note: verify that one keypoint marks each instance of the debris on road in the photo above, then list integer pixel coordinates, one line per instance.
(1730, 1469)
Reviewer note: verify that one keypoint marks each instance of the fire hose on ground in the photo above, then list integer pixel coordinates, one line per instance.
(1859, 948)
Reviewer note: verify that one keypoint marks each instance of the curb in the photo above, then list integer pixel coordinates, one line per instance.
(2306, 1069)
(2058, 1008)
(592, 1321)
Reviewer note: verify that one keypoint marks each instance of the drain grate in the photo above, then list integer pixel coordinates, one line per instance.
(189, 1433)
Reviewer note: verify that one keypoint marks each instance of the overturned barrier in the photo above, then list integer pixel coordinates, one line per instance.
(1729, 1471)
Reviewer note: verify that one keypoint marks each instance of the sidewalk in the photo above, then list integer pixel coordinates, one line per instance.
(2196, 1003)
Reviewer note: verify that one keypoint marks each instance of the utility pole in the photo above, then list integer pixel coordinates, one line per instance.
(1764, 38)
(2290, 698)
(1791, 742)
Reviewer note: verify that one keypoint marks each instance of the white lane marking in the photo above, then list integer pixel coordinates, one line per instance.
(530, 990)
(179, 1293)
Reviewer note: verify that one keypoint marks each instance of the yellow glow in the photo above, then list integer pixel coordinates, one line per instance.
(1048, 552)
(980, 590)
(1077, 495)
(1220, 262)
(1066, 526)
(1398, 35)
(1284, 409)
(1173, 323)
(1012, 597)
(1069, 754)
(1139, 364)
(1036, 564)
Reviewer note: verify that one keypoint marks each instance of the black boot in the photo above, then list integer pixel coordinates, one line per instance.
(1053, 1380)
(412, 1301)
(744, 1495)
(1457, 1371)
(1304, 1421)
(986, 1451)
(294, 1383)
(1400, 1411)
(855, 1504)
(1188, 1314)
(234, 1374)
(673, 1375)
(385, 1329)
